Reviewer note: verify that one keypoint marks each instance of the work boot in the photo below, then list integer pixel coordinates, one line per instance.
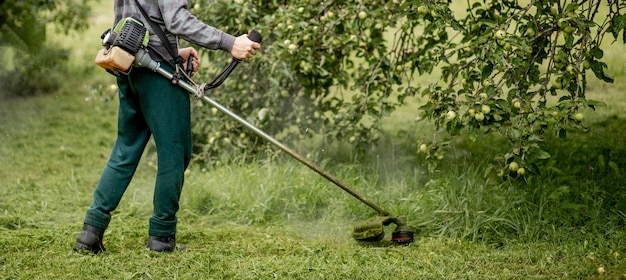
(90, 239)
(162, 243)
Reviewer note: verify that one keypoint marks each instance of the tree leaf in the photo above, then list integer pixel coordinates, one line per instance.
(541, 154)
(598, 69)
(597, 52)
(595, 103)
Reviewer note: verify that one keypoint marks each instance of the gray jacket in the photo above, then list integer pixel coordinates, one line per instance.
(176, 21)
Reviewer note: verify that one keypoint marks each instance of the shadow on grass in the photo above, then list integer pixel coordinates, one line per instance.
(583, 181)
(581, 186)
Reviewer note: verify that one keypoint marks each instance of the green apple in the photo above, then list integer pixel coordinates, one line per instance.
(517, 104)
(485, 109)
(362, 15)
(569, 29)
(423, 148)
(586, 64)
(557, 84)
(471, 112)
(513, 166)
(262, 114)
(554, 12)
(451, 115)
(500, 34)
(422, 10)
(521, 171)
(479, 116)
(500, 173)
(579, 116)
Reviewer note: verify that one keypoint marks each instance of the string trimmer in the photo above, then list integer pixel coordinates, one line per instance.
(372, 230)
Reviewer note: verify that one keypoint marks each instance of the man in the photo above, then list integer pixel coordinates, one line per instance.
(150, 105)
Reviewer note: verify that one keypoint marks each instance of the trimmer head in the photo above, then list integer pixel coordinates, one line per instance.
(370, 231)
(403, 234)
(373, 230)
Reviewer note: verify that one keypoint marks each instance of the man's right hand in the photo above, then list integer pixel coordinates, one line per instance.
(244, 48)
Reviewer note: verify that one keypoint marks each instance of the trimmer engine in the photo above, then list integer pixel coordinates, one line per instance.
(131, 35)
(121, 44)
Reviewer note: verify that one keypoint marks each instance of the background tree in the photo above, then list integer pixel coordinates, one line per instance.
(518, 70)
(336, 68)
(29, 62)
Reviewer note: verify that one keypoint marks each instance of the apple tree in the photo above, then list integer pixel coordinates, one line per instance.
(514, 68)
(26, 54)
(336, 68)
(326, 69)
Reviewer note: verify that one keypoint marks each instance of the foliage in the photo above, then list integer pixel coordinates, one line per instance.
(336, 68)
(32, 65)
(23, 23)
(40, 72)
(515, 69)
(325, 70)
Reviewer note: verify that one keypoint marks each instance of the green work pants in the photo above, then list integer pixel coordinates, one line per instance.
(149, 105)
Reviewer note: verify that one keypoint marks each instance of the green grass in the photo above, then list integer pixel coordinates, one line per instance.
(236, 252)
(274, 218)
(277, 219)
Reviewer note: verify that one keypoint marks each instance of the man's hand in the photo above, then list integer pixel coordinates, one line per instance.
(185, 53)
(244, 48)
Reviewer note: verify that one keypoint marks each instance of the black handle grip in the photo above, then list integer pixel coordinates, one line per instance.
(255, 36)
(189, 65)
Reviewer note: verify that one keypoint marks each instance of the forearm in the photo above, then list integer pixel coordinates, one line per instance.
(178, 20)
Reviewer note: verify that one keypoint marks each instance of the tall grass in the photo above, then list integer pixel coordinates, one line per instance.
(461, 200)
